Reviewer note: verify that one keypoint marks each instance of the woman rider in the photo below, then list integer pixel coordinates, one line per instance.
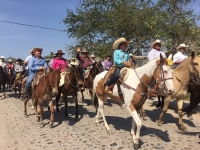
(35, 64)
(121, 59)
(59, 61)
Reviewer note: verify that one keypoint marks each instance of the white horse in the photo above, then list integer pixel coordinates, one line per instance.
(135, 90)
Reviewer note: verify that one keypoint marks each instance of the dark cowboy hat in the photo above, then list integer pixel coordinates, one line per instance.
(37, 49)
(84, 51)
(19, 60)
(59, 52)
(108, 55)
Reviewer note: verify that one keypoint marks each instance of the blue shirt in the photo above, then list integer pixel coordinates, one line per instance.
(120, 57)
(34, 64)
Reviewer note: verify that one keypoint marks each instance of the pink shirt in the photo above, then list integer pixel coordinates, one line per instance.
(59, 62)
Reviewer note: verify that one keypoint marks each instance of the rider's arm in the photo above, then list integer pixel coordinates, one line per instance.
(31, 65)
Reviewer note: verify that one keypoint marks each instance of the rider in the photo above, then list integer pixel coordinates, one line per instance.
(180, 55)
(3, 64)
(18, 68)
(35, 64)
(84, 60)
(73, 62)
(10, 65)
(59, 61)
(121, 58)
(26, 62)
(51, 61)
(107, 64)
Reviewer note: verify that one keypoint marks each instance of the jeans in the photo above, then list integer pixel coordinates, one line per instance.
(114, 77)
(84, 72)
(28, 82)
(26, 73)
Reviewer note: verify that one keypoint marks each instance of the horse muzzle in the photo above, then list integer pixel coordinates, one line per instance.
(54, 92)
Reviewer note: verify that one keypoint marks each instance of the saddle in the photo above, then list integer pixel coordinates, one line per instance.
(37, 78)
(87, 72)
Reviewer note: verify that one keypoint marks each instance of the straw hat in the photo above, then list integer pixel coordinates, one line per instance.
(181, 46)
(119, 41)
(2, 57)
(59, 52)
(9, 60)
(92, 56)
(37, 49)
(155, 42)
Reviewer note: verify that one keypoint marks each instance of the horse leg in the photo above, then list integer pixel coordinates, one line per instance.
(20, 92)
(143, 114)
(163, 102)
(52, 113)
(76, 104)
(101, 109)
(180, 106)
(57, 101)
(35, 102)
(41, 113)
(159, 102)
(135, 122)
(25, 108)
(66, 104)
(164, 110)
(82, 96)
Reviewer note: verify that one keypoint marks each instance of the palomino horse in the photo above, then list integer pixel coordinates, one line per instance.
(45, 90)
(73, 79)
(97, 68)
(10, 75)
(3, 79)
(135, 90)
(187, 70)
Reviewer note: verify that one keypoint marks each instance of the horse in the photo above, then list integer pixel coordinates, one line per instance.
(9, 78)
(18, 83)
(3, 79)
(187, 70)
(44, 90)
(135, 90)
(97, 68)
(72, 79)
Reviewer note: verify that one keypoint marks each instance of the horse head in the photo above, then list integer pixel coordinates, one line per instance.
(78, 75)
(194, 68)
(54, 79)
(97, 67)
(163, 74)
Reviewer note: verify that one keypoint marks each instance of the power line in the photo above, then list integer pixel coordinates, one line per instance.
(29, 25)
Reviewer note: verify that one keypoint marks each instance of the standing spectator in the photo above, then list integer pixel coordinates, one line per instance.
(180, 55)
(107, 64)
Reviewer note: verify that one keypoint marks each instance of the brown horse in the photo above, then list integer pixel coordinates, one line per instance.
(3, 79)
(73, 78)
(45, 90)
(97, 68)
(187, 70)
(9, 78)
(18, 83)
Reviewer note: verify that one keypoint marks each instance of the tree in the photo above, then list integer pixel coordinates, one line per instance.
(96, 24)
(50, 56)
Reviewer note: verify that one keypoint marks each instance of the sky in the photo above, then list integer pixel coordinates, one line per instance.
(16, 40)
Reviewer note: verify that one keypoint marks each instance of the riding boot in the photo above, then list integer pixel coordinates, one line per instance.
(107, 89)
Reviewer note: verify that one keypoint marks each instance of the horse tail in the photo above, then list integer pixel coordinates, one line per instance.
(94, 98)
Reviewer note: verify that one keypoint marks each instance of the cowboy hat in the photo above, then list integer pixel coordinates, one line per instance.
(2, 57)
(181, 46)
(119, 41)
(92, 56)
(59, 52)
(155, 42)
(19, 60)
(37, 49)
(73, 59)
(9, 60)
(108, 55)
(84, 51)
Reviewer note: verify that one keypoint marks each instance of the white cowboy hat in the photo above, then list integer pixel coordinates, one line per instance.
(9, 60)
(119, 41)
(181, 46)
(2, 57)
(92, 56)
(155, 42)
(130, 54)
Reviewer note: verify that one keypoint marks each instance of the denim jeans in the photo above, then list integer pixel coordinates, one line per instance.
(84, 72)
(29, 80)
(114, 77)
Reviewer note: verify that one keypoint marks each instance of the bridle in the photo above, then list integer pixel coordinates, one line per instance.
(99, 69)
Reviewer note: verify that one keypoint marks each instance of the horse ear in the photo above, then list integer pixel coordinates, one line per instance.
(170, 57)
(193, 54)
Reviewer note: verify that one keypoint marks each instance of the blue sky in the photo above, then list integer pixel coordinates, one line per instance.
(17, 41)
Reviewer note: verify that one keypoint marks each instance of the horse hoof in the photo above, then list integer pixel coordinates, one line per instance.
(184, 129)
(51, 125)
(26, 116)
(159, 123)
(190, 117)
(144, 118)
(97, 124)
(41, 125)
(135, 146)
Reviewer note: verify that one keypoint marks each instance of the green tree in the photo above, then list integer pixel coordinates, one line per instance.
(50, 56)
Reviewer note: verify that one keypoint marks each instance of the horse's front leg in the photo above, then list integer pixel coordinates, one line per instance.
(25, 107)
(20, 92)
(41, 112)
(66, 104)
(76, 104)
(164, 110)
(57, 101)
(180, 106)
(34, 103)
(52, 113)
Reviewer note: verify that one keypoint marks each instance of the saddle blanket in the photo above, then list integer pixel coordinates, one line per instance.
(62, 79)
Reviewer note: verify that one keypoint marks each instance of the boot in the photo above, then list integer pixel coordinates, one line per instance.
(107, 89)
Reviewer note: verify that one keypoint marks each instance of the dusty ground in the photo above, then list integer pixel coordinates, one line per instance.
(20, 133)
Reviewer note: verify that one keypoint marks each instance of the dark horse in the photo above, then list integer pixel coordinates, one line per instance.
(97, 68)
(72, 79)
(9, 78)
(45, 90)
(3, 79)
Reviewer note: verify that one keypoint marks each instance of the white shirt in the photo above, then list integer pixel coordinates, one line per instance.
(155, 54)
(27, 59)
(179, 56)
(19, 68)
(3, 64)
